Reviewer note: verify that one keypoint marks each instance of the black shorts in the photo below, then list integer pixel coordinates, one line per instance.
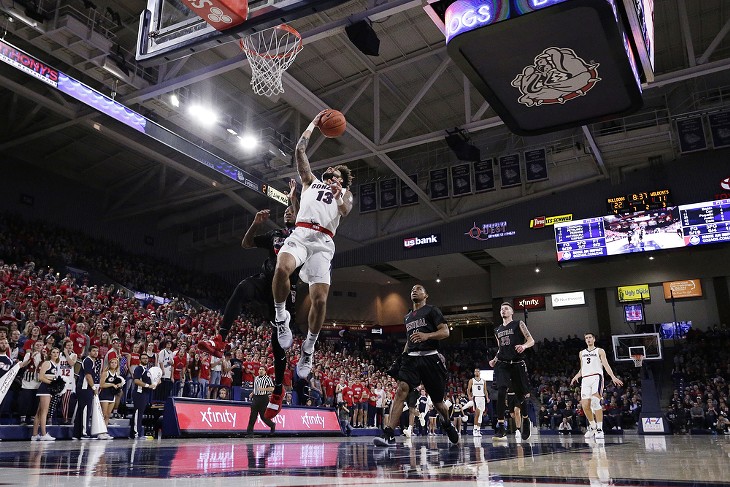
(513, 376)
(258, 295)
(429, 370)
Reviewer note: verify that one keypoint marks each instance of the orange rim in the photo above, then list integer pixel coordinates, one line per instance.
(284, 27)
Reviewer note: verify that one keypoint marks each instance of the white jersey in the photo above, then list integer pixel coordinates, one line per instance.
(319, 207)
(67, 374)
(590, 362)
(477, 387)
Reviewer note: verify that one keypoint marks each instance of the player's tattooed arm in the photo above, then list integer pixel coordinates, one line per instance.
(300, 154)
(529, 341)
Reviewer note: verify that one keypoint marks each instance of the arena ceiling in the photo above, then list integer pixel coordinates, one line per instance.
(399, 106)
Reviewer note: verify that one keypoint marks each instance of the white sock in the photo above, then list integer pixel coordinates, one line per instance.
(308, 345)
(280, 309)
(592, 425)
(600, 425)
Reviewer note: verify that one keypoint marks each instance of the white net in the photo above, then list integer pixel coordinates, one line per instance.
(638, 359)
(270, 52)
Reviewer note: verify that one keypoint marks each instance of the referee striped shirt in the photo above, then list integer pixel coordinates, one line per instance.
(260, 384)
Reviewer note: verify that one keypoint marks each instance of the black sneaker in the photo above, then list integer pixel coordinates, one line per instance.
(500, 433)
(388, 438)
(526, 428)
(450, 431)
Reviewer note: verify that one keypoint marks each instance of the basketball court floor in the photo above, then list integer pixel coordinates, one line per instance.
(544, 460)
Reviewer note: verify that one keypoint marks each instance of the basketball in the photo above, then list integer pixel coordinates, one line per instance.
(332, 123)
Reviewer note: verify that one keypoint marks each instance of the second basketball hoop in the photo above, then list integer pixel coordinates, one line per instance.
(270, 52)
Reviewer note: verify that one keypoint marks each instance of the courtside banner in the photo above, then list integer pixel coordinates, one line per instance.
(201, 417)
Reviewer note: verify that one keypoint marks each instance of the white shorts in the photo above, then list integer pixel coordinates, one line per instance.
(590, 386)
(313, 251)
(480, 403)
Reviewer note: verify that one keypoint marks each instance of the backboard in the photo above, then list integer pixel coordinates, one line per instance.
(169, 30)
(624, 345)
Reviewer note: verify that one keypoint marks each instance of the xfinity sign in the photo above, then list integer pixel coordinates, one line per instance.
(528, 302)
(429, 241)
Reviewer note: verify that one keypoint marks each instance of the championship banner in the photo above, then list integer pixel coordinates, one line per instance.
(720, 129)
(639, 292)
(388, 194)
(484, 176)
(509, 170)
(7, 380)
(688, 288)
(368, 200)
(691, 134)
(461, 179)
(201, 417)
(407, 195)
(536, 165)
(439, 183)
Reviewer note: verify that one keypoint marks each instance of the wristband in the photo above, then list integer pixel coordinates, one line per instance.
(311, 127)
(340, 200)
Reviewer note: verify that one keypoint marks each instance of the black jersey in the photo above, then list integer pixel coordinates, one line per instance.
(271, 241)
(508, 337)
(421, 403)
(425, 319)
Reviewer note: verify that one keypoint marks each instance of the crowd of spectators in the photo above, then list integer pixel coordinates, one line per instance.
(39, 241)
(699, 402)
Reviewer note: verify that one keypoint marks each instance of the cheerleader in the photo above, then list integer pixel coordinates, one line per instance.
(111, 385)
(49, 371)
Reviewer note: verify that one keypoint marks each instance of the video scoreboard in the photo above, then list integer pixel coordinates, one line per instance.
(644, 231)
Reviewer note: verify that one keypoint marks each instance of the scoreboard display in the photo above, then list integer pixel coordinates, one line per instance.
(644, 231)
(635, 202)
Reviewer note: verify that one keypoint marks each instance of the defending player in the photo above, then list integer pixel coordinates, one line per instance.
(510, 371)
(255, 290)
(310, 246)
(478, 397)
(592, 362)
(421, 362)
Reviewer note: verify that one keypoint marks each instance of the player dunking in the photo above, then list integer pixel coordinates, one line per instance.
(421, 363)
(592, 362)
(323, 203)
(256, 290)
(510, 370)
(478, 397)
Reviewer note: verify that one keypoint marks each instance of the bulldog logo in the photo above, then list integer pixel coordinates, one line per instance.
(557, 76)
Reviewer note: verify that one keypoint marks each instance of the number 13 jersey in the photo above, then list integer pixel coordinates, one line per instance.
(318, 206)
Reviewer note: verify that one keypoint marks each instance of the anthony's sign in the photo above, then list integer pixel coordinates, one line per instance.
(689, 288)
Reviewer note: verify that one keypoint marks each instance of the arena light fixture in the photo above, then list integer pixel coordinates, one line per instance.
(174, 100)
(248, 141)
(203, 116)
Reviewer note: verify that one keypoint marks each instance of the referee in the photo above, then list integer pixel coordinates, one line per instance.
(262, 387)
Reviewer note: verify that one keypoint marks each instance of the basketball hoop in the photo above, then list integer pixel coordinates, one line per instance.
(270, 52)
(638, 359)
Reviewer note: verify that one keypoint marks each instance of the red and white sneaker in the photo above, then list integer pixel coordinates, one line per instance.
(274, 406)
(212, 347)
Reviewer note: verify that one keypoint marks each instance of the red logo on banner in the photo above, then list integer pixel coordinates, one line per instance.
(529, 302)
